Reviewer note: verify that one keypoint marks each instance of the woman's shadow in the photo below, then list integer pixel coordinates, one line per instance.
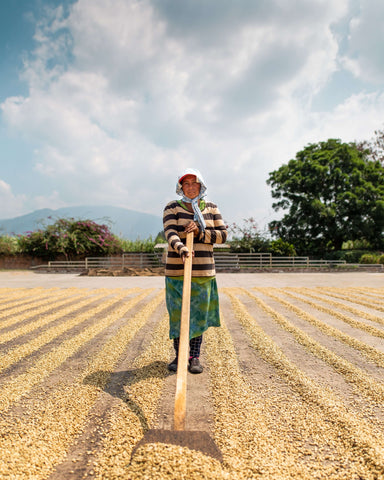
(117, 384)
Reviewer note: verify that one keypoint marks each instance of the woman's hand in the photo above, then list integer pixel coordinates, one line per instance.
(192, 227)
(185, 255)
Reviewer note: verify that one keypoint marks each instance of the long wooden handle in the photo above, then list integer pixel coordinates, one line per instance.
(181, 379)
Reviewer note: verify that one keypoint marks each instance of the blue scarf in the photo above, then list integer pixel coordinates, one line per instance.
(198, 216)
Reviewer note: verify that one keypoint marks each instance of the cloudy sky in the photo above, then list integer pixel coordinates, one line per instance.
(104, 102)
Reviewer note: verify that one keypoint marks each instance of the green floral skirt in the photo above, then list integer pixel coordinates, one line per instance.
(204, 305)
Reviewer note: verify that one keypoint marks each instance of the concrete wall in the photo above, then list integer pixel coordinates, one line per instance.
(19, 262)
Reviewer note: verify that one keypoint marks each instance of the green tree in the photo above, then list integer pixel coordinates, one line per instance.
(333, 193)
(374, 147)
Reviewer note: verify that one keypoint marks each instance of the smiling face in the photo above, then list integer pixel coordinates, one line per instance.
(190, 186)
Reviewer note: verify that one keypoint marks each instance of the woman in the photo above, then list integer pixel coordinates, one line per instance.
(192, 214)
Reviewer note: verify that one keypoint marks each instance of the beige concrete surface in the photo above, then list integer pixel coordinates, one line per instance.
(29, 279)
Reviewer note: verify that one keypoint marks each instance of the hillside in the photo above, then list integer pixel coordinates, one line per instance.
(125, 223)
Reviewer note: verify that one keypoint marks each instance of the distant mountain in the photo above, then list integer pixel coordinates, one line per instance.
(124, 223)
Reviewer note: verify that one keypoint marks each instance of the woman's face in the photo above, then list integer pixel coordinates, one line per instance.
(190, 186)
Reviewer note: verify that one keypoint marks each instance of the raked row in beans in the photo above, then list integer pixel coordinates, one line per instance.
(295, 382)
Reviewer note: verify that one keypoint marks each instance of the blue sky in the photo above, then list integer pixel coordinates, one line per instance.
(104, 102)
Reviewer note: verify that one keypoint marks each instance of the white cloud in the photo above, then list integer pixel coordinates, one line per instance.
(356, 119)
(365, 47)
(124, 94)
(11, 204)
(52, 201)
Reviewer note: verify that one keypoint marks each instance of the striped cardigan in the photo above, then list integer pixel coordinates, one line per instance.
(175, 218)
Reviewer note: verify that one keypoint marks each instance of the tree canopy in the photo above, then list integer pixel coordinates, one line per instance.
(333, 193)
(374, 147)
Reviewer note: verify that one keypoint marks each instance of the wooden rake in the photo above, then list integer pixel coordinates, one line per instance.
(193, 439)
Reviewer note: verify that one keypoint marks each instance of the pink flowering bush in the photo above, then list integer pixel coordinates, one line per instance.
(9, 246)
(70, 238)
(247, 237)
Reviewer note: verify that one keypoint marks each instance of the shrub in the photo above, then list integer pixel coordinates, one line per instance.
(138, 245)
(70, 238)
(369, 258)
(281, 248)
(9, 245)
(247, 238)
(350, 256)
(381, 259)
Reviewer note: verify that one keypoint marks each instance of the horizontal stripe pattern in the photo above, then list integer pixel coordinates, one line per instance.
(175, 218)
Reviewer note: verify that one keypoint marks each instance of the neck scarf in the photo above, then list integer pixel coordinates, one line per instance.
(198, 216)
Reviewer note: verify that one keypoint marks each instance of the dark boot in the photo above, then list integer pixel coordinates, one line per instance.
(195, 365)
(172, 367)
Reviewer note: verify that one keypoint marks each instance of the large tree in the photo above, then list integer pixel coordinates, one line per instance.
(333, 193)
(374, 147)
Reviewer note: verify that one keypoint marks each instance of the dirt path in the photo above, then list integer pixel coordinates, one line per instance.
(293, 385)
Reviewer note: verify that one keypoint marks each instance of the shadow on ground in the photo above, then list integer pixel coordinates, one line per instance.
(117, 384)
